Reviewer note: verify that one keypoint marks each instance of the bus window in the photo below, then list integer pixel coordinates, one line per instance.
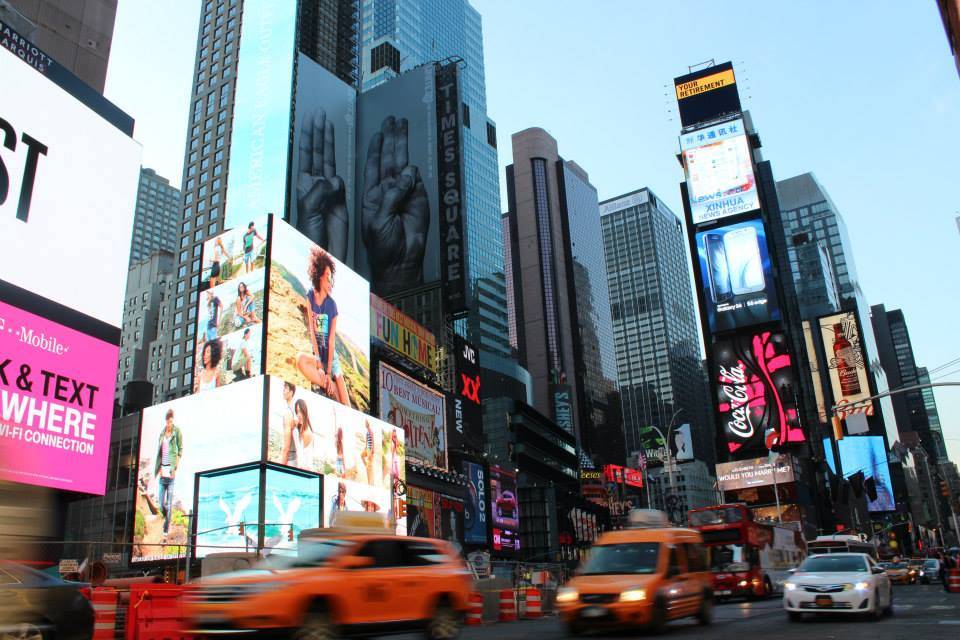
(730, 558)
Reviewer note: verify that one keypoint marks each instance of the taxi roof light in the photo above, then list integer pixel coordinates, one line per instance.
(647, 519)
(360, 521)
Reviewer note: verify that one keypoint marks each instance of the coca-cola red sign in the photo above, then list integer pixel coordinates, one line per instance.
(755, 390)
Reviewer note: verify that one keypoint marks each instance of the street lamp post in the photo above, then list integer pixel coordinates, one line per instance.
(666, 442)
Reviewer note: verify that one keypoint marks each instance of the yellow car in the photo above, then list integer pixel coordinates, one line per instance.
(899, 572)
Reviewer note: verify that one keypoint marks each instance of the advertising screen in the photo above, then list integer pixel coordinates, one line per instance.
(475, 507)
(179, 439)
(402, 334)
(225, 500)
(505, 510)
(707, 94)
(68, 186)
(419, 411)
(867, 455)
(235, 254)
(466, 404)
(682, 443)
(434, 515)
(719, 172)
(744, 474)
(738, 285)
(753, 380)
(292, 504)
(846, 365)
(318, 329)
(360, 457)
(56, 403)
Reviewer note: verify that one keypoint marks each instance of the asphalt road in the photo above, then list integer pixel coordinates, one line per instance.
(920, 612)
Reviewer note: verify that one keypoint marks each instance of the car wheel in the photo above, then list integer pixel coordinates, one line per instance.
(22, 631)
(316, 625)
(705, 614)
(877, 611)
(574, 629)
(658, 619)
(445, 623)
(794, 616)
(888, 610)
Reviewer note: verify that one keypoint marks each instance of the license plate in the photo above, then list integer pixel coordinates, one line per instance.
(724, 592)
(594, 612)
(823, 601)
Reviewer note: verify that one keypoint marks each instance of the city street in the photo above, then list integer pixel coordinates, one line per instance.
(920, 612)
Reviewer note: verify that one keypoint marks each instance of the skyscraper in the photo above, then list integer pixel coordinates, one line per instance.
(654, 323)
(561, 303)
(156, 218)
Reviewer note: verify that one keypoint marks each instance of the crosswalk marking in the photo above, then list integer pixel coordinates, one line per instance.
(941, 607)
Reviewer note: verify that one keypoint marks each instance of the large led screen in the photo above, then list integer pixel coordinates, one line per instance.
(505, 510)
(754, 382)
(867, 455)
(360, 457)
(738, 285)
(719, 172)
(756, 472)
(434, 515)
(475, 506)
(846, 365)
(419, 411)
(292, 504)
(225, 501)
(179, 439)
(56, 403)
(318, 326)
(402, 334)
(68, 186)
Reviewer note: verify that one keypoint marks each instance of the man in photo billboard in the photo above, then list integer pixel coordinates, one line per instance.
(169, 453)
(249, 244)
(214, 307)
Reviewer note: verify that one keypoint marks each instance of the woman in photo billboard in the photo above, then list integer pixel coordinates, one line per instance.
(245, 311)
(210, 357)
(322, 367)
(169, 453)
(219, 256)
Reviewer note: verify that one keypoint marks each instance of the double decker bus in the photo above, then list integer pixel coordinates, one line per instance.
(747, 558)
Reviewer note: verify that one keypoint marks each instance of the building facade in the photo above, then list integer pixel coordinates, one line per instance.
(157, 217)
(693, 485)
(659, 366)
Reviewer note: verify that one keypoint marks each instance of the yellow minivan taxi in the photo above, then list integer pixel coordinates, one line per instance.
(643, 576)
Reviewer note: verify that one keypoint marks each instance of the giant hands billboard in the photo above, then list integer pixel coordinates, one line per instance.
(719, 172)
(735, 274)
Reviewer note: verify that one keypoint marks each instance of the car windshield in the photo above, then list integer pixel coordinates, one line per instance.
(311, 553)
(930, 564)
(834, 564)
(617, 559)
(897, 565)
(729, 557)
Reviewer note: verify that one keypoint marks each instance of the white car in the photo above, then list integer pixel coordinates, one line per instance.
(838, 583)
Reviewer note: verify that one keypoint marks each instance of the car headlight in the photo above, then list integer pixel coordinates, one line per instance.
(922, 573)
(847, 586)
(862, 586)
(633, 595)
(743, 583)
(566, 594)
(789, 586)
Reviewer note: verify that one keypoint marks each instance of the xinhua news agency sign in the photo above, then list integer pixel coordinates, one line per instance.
(402, 334)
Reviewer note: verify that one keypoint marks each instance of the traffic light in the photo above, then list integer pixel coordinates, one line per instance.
(290, 533)
(837, 428)
(243, 531)
(944, 489)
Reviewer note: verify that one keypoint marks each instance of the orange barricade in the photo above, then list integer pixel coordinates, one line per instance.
(474, 608)
(104, 613)
(953, 580)
(156, 612)
(508, 606)
(534, 609)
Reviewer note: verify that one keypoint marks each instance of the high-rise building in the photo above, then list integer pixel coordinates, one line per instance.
(659, 364)
(950, 13)
(157, 217)
(933, 415)
(76, 34)
(693, 484)
(561, 302)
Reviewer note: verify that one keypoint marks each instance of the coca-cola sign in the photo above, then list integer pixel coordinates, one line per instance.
(754, 386)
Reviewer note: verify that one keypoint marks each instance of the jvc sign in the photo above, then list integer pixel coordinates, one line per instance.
(467, 406)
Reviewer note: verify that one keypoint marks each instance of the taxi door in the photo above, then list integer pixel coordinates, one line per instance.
(680, 590)
(370, 594)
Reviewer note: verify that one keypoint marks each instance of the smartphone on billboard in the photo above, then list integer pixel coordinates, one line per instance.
(743, 259)
(719, 271)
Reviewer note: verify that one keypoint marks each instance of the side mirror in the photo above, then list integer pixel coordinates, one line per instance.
(355, 562)
(877, 571)
(791, 571)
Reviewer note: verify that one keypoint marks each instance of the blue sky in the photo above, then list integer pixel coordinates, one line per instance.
(863, 93)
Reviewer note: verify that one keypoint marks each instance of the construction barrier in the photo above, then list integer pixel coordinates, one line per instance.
(156, 612)
(953, 580)
(104, 613)
(534, 606)
(474, 609)
(508, 606)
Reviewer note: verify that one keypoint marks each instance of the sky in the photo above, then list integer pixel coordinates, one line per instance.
(863, 93)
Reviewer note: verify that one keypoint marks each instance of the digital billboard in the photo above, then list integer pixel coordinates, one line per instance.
(402, 334)
(754, 382)
(738, 287)
(225, 501)
(419, 411)
(756, 472)
(179, 439)
(718, 167)
(466, 404)
(235, 253)
(360, 457)
(318, 325)
(434, 515)
(505, 510)
(291, 504)
(707, 94)
(475, 507)
(866, 455)
(682, 443)
(846, 365)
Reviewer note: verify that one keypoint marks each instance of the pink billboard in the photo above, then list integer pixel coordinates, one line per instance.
(56, 403)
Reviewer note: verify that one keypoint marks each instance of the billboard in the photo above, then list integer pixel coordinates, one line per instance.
(402, 334)
(225, 501)
(681, 444)
(419, 411)
(718, 168)
(179, 439)
(318, 325)
(399, 241)
(563, 406)
(291, 504)
(259, 144)
(466, 406)
(866, 455)
(434, 515)
(738, 287)
(707, 94)
(846, 365)
(753, 380)
(360, 457)
(56, 403)
(321, 202)
(505, 510)
(756, 472)
(475, 507)
(235, 253)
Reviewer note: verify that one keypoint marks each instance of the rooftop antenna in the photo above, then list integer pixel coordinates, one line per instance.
(706, 64)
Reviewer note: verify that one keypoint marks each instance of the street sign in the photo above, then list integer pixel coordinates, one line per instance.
(69, 566)
(111, 558)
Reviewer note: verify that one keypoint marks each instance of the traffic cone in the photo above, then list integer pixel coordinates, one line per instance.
(508, 606)
(534, 609)
(474, 609)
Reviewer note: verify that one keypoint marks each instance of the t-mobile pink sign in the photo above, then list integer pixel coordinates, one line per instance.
(56, 403)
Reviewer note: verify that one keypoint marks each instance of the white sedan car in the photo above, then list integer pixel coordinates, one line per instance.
(838, 583)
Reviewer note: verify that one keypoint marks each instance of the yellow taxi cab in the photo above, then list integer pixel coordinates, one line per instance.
(643, 576)
(355, 578)
(899, 572)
